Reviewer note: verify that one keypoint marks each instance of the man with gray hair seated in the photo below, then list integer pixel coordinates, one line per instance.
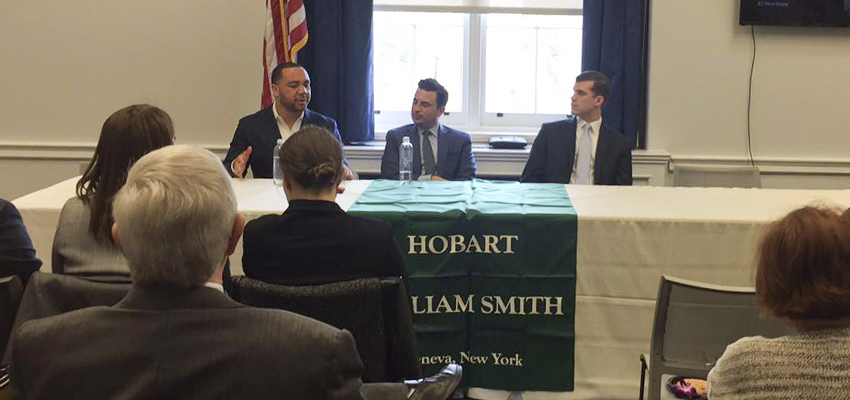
(176, 334)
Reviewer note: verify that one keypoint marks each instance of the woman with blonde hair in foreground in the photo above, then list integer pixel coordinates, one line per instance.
(803, 278)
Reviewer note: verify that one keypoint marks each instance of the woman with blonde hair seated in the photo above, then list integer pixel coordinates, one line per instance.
(83, 244)
(315, 241)
(803, 278)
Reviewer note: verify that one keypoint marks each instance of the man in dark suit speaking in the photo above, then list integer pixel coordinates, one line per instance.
(256, 135)
(176, 335)
(581, 149)
(439, 152)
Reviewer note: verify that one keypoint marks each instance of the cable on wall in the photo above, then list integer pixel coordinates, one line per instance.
(750, 99)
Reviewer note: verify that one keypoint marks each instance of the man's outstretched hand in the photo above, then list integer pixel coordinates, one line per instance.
(240, 162)
(348, 176)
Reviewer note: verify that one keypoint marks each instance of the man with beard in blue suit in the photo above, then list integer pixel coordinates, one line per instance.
(257, 134)
(439, 152)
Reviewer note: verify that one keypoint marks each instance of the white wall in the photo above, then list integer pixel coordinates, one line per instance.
(699, 70)
(65, 66)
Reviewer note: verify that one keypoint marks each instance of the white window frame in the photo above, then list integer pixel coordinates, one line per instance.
(472, 119)
(392, 119)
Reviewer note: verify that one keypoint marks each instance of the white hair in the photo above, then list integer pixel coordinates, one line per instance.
(175, 216)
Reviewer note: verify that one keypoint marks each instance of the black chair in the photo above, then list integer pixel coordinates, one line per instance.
(376, 311)
(11, 291)
(694, 322)
(5, 391)
(53, 294)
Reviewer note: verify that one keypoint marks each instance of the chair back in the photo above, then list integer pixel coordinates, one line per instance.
(11, 291)
(49, 294)
(694, 322)
(376, 312)
(716, 176)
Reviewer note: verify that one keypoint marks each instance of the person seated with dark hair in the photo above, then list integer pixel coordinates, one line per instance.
(315, 241)
(803, 278)
(83, 244)
(257, 134)
(439, 152)
(17, 257)
(582, 149)
(176, 335)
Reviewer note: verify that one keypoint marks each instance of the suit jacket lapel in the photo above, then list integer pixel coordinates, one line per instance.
(417, 153)
(570, 150)
(308, 118)
(271, 123)
(442, 149)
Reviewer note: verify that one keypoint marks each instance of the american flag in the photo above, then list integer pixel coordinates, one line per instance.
(286, 33)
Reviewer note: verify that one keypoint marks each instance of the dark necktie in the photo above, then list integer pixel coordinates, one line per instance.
(428, 153)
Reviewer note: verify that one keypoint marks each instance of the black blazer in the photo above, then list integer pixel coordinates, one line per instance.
(259, 130)
(17, 256)
(171, 343)
(552, 154)
(318, 242)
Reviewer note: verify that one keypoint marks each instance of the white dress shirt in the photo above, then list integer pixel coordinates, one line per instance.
(594, 138)
(216, 286)
(283, 128)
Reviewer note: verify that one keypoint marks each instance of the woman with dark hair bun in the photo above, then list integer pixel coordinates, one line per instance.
(83, 244)
(803, 278)
(315, 241)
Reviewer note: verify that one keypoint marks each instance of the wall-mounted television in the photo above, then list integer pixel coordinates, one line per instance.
(795, 12)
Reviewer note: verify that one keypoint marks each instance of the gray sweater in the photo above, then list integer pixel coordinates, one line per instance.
(811, 365)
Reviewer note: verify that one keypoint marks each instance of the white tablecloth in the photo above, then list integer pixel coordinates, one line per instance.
(256, 197)
(627, 238)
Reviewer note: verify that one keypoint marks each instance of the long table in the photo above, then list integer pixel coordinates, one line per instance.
(627, 237)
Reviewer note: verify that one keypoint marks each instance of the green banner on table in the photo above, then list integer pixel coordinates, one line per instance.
(493, 271)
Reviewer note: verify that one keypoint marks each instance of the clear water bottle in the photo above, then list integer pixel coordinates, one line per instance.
(277, 174)
(405, 160)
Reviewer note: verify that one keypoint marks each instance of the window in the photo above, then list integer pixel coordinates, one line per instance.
(505, 72)
(550, 49)
(413, 46)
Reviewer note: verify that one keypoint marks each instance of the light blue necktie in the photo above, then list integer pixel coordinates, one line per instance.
(583, 170)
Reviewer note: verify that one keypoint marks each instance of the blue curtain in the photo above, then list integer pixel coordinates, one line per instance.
(338, 56)
(614, 44)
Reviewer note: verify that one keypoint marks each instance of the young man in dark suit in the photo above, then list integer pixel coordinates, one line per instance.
(257, 134)
(176, 335)
(581, 149)
(439, 152)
